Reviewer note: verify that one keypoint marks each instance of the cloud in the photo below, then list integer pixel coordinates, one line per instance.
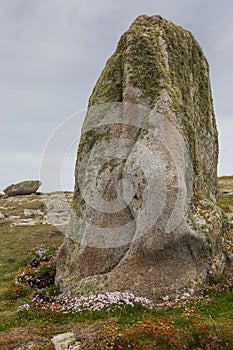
(13, 166)
(225, 140)
(52, 53)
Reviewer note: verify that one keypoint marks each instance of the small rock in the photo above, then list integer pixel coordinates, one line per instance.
(33, 213)
(185, 296)
(29, 212)
(2, 216)
(66, 341)
(23, 188)
(191, 291)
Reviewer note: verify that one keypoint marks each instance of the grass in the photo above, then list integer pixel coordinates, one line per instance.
(228, 177)
(226, 192)
(226, 201)
(205, 321)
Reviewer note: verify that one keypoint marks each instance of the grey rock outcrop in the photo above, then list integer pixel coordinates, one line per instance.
(145, 217)
(22, 188)
(46, 209)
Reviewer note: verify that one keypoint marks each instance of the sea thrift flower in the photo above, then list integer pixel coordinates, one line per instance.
(24, 307)
(66, 303)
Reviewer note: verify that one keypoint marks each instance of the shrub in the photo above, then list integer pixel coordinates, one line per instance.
(40, 269)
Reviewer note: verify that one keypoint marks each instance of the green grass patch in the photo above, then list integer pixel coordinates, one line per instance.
(203, 322)
(225, 200)
(230, 177)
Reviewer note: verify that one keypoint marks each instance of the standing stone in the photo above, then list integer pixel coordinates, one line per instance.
(145, 218)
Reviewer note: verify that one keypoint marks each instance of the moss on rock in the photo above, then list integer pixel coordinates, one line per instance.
(158, 66)
(153, 55)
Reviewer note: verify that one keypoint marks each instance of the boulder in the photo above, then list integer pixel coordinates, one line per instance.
(145, 218)
(22, 188)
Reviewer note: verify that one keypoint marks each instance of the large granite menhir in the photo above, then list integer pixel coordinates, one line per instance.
(145, 217)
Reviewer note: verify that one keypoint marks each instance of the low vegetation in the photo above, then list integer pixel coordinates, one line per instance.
(33, 311)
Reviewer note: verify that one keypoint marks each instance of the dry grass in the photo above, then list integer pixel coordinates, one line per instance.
(196, 324)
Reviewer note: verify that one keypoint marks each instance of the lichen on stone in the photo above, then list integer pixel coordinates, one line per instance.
(160, 67)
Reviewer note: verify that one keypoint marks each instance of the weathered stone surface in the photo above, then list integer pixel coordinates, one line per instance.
(22, 188)
(66, 341)
(145, 217)
(29, 210)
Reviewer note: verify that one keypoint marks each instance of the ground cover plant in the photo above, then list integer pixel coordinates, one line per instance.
(33, 310)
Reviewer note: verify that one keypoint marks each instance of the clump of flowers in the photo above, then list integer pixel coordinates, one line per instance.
(40, 269)
(39, 274)
(24, 310)
(24, 307)
(44, 254)
(113, 300)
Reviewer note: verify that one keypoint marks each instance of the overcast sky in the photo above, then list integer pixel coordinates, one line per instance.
(52, 53)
